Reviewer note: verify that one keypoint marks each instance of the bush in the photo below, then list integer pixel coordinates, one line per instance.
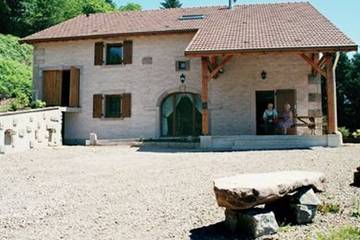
(15, 71)
(356, 134)
(344, 132)
(344, 233)
(38, 104)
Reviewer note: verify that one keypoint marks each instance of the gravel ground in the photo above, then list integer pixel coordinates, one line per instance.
(125, 193)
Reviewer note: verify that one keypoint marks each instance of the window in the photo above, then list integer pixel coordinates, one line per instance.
(114, 54)
(112, 106)
(192, 17)
(182, 65)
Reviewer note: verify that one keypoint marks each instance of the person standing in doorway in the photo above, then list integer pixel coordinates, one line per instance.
(270, 117)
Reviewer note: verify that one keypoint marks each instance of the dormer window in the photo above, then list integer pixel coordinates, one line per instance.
(114, 54)
(192, 17)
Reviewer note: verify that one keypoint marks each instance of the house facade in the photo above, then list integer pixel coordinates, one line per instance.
(188, 72)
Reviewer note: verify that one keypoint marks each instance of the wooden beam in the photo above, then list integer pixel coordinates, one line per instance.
(313, 64)
(205, 95)
(221, 65)
(331, 97)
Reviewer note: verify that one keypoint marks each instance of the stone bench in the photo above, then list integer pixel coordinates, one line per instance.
(254, 201)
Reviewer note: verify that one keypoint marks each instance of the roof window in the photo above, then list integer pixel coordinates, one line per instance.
(192, 17)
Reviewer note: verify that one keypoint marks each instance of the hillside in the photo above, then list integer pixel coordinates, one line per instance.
(15, 69)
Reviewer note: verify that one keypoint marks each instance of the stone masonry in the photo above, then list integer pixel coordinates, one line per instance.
(231, 96)
(23, 130)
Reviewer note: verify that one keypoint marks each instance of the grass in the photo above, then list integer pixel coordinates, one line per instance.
(344, 233)
(356, 209)
(329, 208)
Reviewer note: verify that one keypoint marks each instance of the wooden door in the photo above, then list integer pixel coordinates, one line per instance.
(52, 87)
(287, 96)
(74, 100)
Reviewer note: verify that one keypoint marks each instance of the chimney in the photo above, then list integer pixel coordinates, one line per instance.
(230, 4)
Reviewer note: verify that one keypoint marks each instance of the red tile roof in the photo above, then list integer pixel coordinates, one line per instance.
(245, 28)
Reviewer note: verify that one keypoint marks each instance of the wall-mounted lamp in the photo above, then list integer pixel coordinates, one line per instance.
(263, 75)
(182, 78)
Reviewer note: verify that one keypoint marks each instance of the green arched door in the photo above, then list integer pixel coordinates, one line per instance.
(181, 115)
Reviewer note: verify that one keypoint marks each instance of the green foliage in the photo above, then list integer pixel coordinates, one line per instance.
(11, 49)
(38, 104)
(344, 233)
(344, 132)
(130, 7)
(29, 16)
(15, 71)
(348, 88)
(356, 134)
(329, 208)
(356, 209)
(170, 4)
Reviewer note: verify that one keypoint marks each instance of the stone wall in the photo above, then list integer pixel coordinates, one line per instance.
(152, 76)
(23, 130)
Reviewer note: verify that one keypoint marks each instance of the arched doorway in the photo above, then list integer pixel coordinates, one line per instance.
(181, 115)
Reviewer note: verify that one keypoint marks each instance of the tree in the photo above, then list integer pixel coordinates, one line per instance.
(348, 88)
(170, 4)
(25, 17)
(130, 7)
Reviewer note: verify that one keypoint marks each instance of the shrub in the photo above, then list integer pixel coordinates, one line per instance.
(356, 134)
(344, 132)
(38, 104)
(344, 233)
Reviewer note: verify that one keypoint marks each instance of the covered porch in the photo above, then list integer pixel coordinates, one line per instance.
(311, 128)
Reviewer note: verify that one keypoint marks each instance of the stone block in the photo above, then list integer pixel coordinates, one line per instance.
(302, 213)
(249, 190)
(28, 129)
(254, 222)
(314, 97)
(334, 140)
(21, 133)
(93, 139)
(2, 149)
(15, 122)
(314, 79)
(54, 119)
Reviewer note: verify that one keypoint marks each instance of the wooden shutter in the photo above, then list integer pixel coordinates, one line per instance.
(52, 86)
(74, 87)
(283, 97)
(128, 52)
(99, 53)
(97, 105)
(126, 105)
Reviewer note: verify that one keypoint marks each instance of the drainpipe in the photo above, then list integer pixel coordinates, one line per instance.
(336, 61)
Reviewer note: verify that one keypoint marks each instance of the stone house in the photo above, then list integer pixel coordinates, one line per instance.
(207, 71)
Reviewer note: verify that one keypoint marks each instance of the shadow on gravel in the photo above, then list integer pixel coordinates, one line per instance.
(214, 232)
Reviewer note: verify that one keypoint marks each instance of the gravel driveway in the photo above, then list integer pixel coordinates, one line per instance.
(125, 193)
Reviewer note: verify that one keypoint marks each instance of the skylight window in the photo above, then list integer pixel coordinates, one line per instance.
(192, 17)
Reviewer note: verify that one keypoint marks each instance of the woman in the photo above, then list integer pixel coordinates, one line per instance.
(287, 119)
(270, 116)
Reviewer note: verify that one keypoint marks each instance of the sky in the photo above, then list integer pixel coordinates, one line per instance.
(344, 14)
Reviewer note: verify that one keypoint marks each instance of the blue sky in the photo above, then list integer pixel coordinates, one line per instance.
(345, 14)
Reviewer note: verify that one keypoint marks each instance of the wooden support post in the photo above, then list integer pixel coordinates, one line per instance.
(205, 95)
(331, 97)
